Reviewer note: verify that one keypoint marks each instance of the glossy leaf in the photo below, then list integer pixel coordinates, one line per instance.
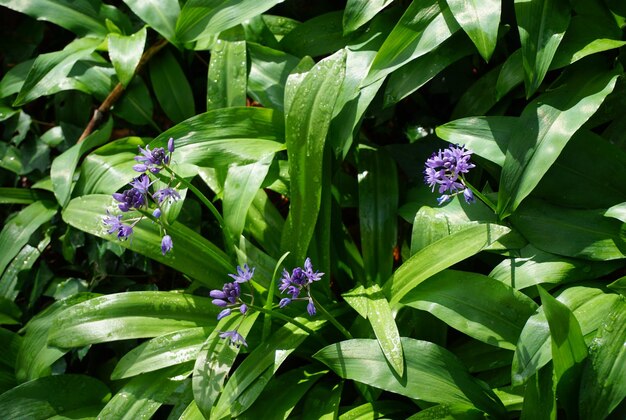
(171, 87)
(476, 305)
(192, 254)
(23, 261)
(432, 373)
(480, 20)
(540, 396)
(549, 122)
(201, 17)
(64, 166)
(306, 126)
(43, 77)
(136, 105)
(541, 25)
(439, 256)
(322, 401)
(125, 53)
(422, 28)
(358, 12)
(603, 382)
(16, 232)
(215, 360)
(226, 83)
(318, 36)
(20, 196)
(269, 69)
(130, 315)
(161, 15)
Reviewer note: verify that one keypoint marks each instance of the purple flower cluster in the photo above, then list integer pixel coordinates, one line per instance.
(139, 197)
(300, 279)
(445, 169)
(229, 298)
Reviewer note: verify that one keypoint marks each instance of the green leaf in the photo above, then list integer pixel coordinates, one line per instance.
(23, 261)
(192, 254)
(589, 305)
(583, 234)
(43, 77)
(171, 87)
(441, 255)
(17, 231)
(20, 196)
(540, 396)
(64, 166)
(432, 373)
(130, 315)
(45, 398)
(161, 15)
(603, 383)
(376, 410)
(307, 121)
(199, 18)
(447, 411)
(358, 12)
(476, 305)
(160, 352)
(144, 394)
(541, 25)
(378, 206)
(568, 348)
(226, 83)
(548, 124)
(264, 223)
(78, 16)
(136, 105)
(480, 20)
(421, 29)
(318, 36)
(215, 360)
(269, 355)
(125, 53)
(322, 401)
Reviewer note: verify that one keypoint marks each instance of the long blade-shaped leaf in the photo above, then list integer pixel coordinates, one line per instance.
(480, 20)
(125, 53)
(432, 373)
(358, 12)
(227, 77)
(171, 87)
(161, 15)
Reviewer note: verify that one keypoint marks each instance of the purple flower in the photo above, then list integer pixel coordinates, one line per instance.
(299, 279)
(129, 199)
(228, 296)
(170, 145)
(243, 274)
(310, 307)
(469, 196)
(308, 271)
(235, 338)
(445, 169)
(142, 183)
(166, 244)
(124, 231)
(156, 213)
(155, 157)
(284, 302)
(166, 193)
(113, 222)
(243, 308)
(223, 314)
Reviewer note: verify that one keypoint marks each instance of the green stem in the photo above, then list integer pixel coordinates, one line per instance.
(198, 194)
(288, 319)
(267, 318)
(482, 197)
(332, 319)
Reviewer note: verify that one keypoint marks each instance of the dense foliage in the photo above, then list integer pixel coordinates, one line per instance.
(421, 205)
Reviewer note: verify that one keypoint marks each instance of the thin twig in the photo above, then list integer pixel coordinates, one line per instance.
(117, 92)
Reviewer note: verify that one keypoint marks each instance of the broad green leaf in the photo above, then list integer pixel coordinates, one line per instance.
(269, 355)
(144, 394)
(429, 226)
(17, 231)
(136, 105)
(568, 348)
(268, 74)
(160, 15)
(199, 18)
(322, 401)
(163, 351)
(421, 29)
(23, 261)
(192, 412)
(533, 266)
(589, 305)
(378, 206)
(306, 126)
(447, 411)
(225, 136)
(171, 87)
(264, 223)
(215, 359)
(441, 255)
(45, 398)
(480, 20)
(432, 373)
(192, 254)
(358, 12)
(64, 166)
(13, 80)
(481, 357)
(619, 286)
(318, 36)
(603, 383)
(11, 343)
(541, 25)
(127, 315)
(540, 396)
(78, 16)
(43, 77)
(576, 233)
(125, 53)
(226, 82)
(240, 188)
(548, 124)
(476, 305)
(617, 212)
(284, 391)
(20, 196)
(375, 410)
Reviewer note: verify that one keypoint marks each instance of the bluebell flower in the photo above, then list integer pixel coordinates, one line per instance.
(469, 196)
(142, 183)
(299, 280)
(130, 199)
(166, 244)
(243, 274)
(235, 338)
(156, 213)
(445, 170)
(115, 225)
(170, 145)
(310, 307)
(224, 313)
(152, 159)
(166, 193)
